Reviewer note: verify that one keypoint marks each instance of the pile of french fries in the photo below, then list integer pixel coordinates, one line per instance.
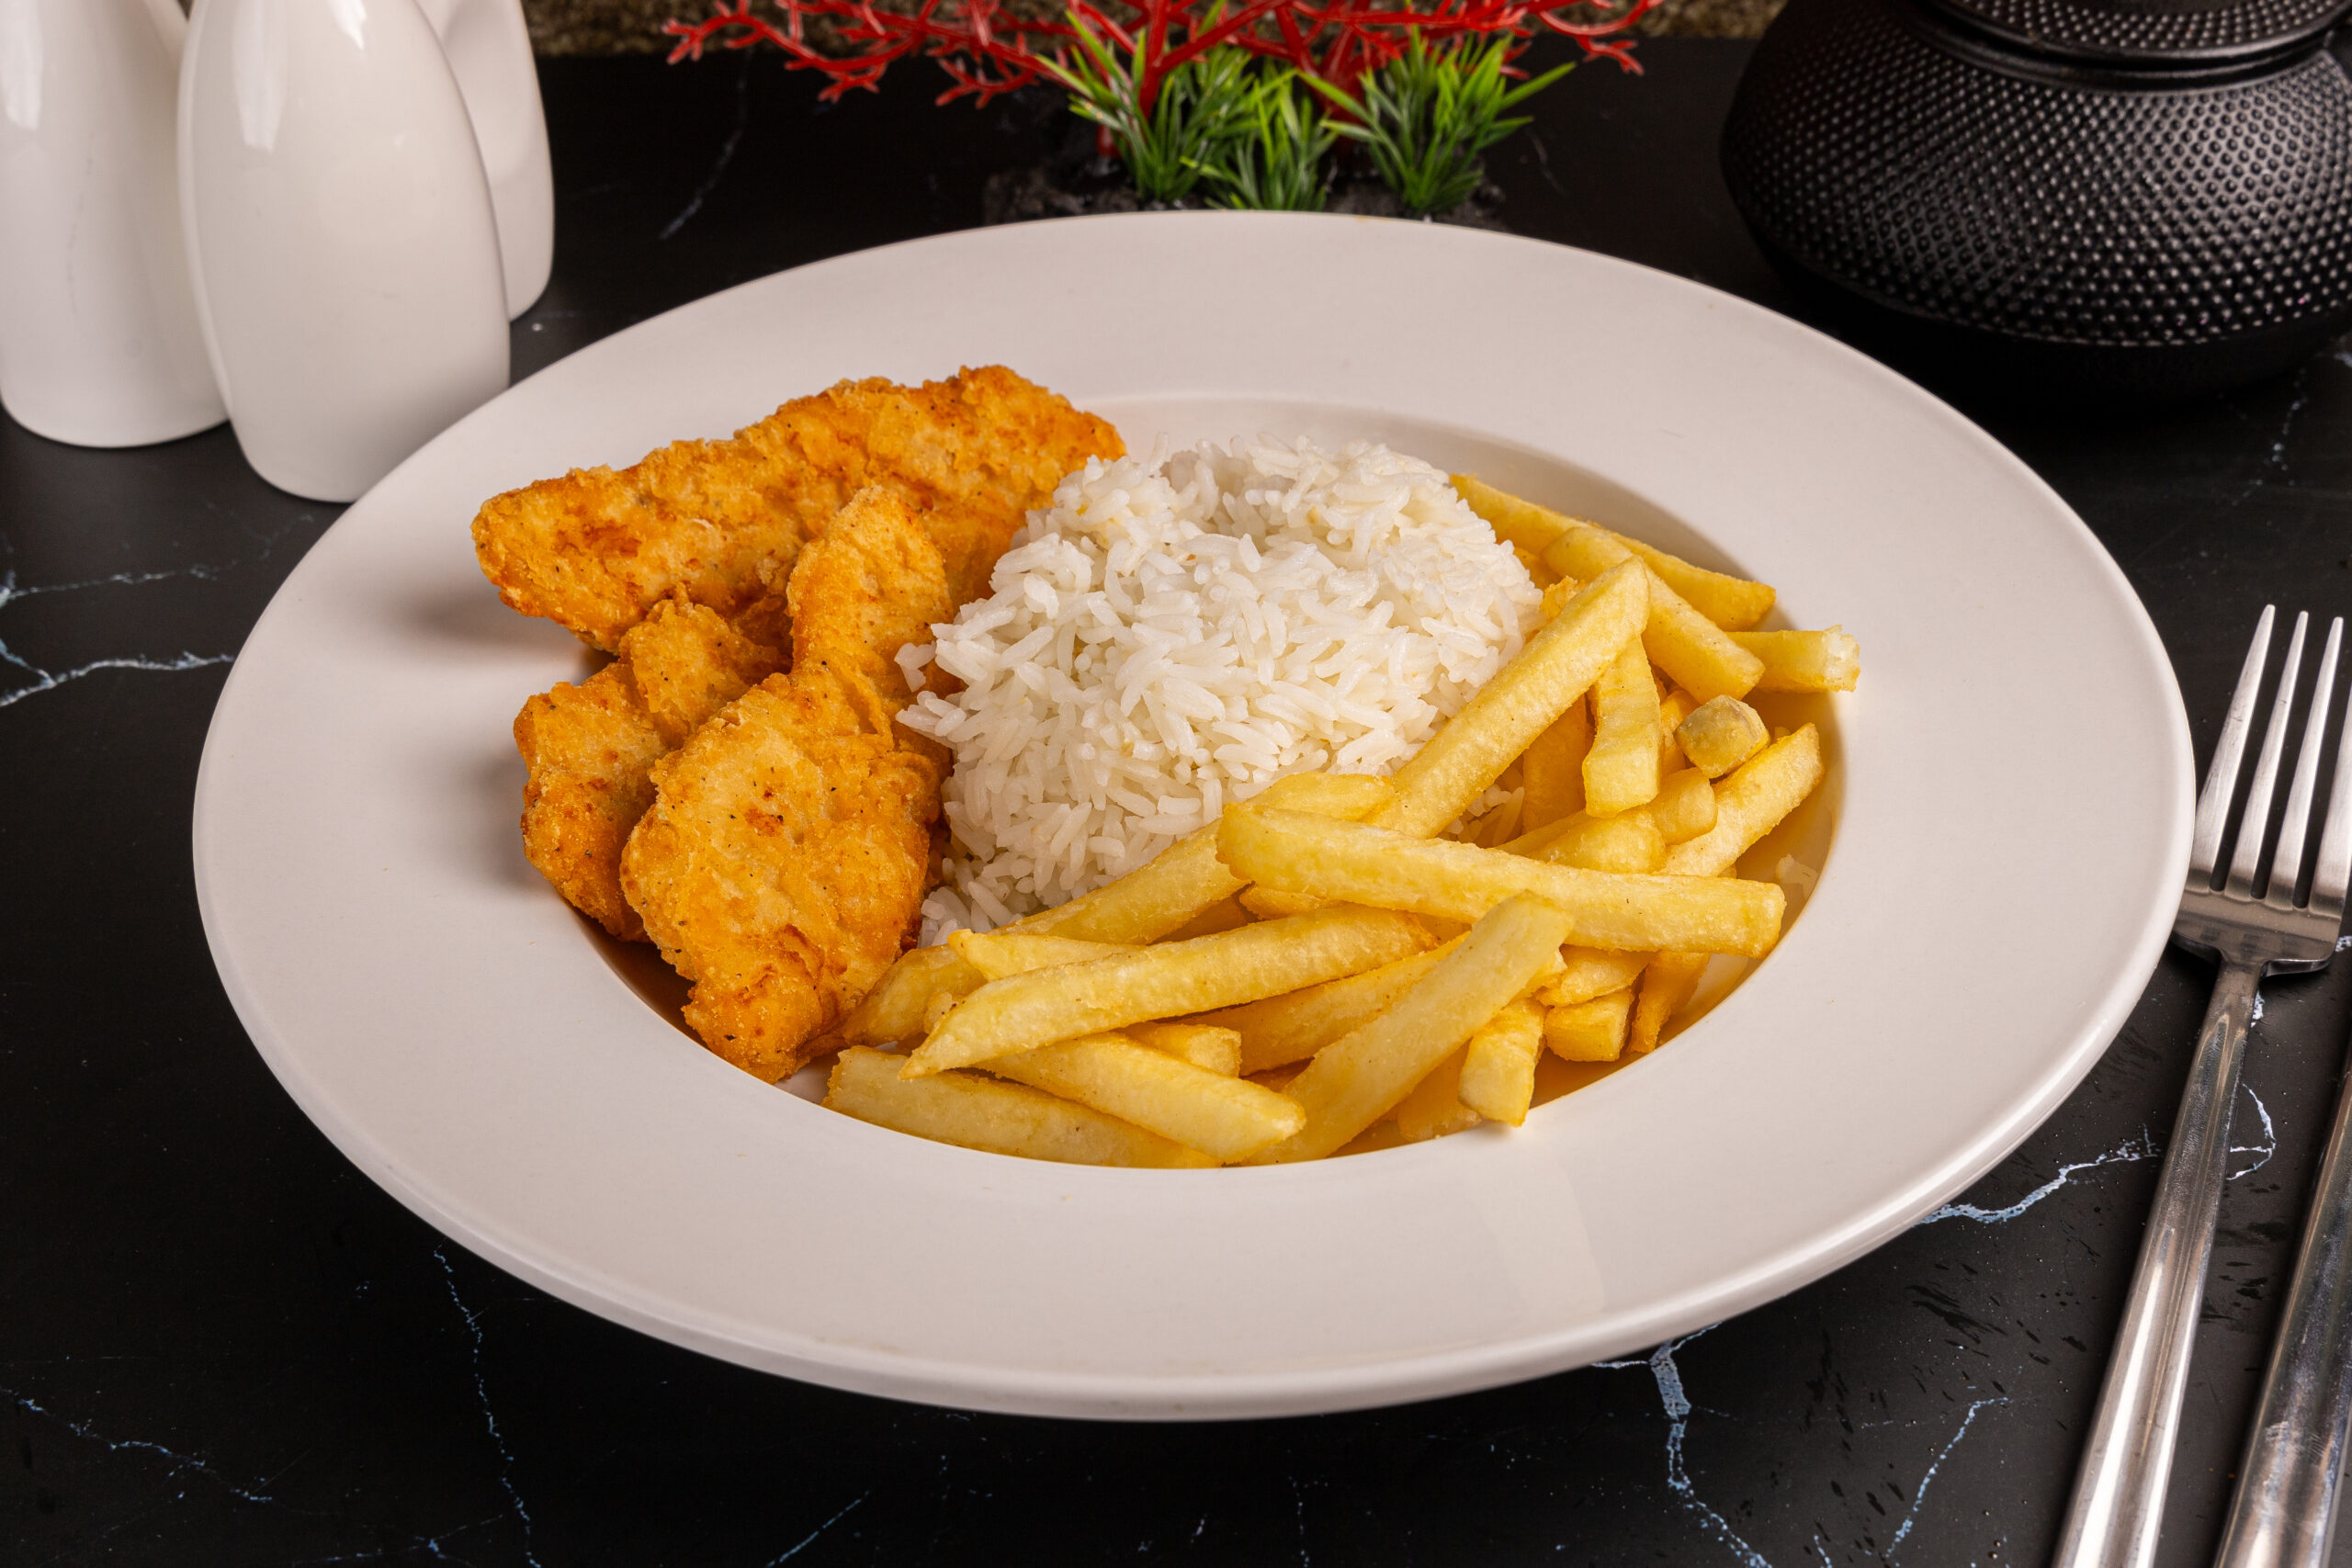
(1324, 959)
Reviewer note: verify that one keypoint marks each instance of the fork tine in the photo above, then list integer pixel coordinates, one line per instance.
(2333, 868)
(2253, 826)
(2287, 858)
(2221, 773)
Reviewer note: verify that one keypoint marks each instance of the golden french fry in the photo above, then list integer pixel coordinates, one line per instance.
(1804, 661)
(1521, 525)
(1718, 736)
(1590, 1031)
(1499, 1064)
(1221, 916)
(1557, 593)
(1587, 971)
(1749, 804)
(1355, 1081)
(942, 1003)
(1185, 879)
(1630, 842)
(1009, 951)
(1685, 807)
(1433, 1108)
(1003, 1118)
(1540, 575)
(1204, 1046)
(1268, 905)
(1621, 771)
(1679, 640)
(1172, 979)
(1292, 1027)
(1438, 783)
(898, 1005)
(1229, 1117)
(1357, 863)
(1552, 769)
(1666, 987)
(1732, 603)
(1672, 709)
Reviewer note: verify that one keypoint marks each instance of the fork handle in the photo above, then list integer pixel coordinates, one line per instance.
(2119, 1500)
(2287, 1492)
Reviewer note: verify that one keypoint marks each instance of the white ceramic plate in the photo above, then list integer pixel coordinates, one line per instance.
(1979, 930)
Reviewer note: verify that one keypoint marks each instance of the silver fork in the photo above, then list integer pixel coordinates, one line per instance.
(2119, 1491)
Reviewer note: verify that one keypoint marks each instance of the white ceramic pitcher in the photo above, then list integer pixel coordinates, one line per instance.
(488, 46)
(341, 235)
(99, 338)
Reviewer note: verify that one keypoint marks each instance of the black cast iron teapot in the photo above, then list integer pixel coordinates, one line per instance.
(2114, 198)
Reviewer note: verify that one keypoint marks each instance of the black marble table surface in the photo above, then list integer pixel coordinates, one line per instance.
(221, 1343)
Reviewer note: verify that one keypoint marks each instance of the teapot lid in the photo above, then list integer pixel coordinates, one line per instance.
(2156, 33)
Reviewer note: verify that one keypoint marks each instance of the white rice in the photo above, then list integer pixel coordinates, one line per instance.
(1178, 631)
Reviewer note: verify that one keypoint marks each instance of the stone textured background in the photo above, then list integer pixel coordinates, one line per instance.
(619, 26)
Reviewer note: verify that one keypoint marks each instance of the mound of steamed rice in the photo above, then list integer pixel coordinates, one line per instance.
(1178, 631)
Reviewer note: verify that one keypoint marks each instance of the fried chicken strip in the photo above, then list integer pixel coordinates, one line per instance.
(783, 863)
(721, 522)
(591, 748)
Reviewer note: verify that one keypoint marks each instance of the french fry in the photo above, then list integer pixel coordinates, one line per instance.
(1695, 651)
(1732, 603)
(1749, 804)
(1185, 880)
(1719, 736)
(1685, 807)
(1621, 771)
(1632, 842)
(1357, 863)
(1587, 971)
(1557, 593)
(1499, 1064)
(1552, 769)
(1434, 1107)
(1291, 1028)
(1001, 952)
(1355, 1081)
(1204, 1046)
(1558, 664)
(896, 1006)
(1229, 1117)
(1666, 987)
(1003, 1118)
(1804, 661)
(1672, 709)
(1172, 979)
(1592, 1031)
(1221, 916)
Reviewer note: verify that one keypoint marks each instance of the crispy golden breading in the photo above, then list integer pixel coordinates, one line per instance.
(783, 863)
(591, 748)
(721, 522)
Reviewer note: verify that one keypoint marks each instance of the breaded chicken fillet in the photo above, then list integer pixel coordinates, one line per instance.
(591, 748)
(783, 863)
(721, 522)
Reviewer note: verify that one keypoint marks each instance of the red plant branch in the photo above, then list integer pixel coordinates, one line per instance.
(987, 50)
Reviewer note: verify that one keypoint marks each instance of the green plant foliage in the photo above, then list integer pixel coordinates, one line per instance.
(1203, 105)
(1426, 116)
(1275, 161)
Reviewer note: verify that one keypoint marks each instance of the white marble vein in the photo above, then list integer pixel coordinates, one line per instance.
(1919, 1493)
(2138, 1148)
(45, 680)
(180, 1463)
(1661, 1366)
(489, 1417)
(808, 1541)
